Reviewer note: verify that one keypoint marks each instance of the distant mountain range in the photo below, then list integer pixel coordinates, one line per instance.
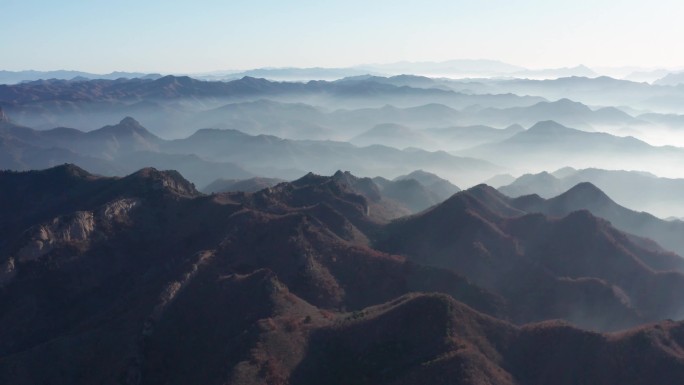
(586, 196)
(14, 77)
(175, 106)
(210, 154)
(456, 68)
(476, 68)
(637, 190)
(406, 194)
(563, 111)
(671, 79)
(551, 145)
(601, 91)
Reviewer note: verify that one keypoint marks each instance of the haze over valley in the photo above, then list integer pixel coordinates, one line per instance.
(340, 193)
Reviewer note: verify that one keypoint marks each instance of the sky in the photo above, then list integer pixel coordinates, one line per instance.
(209, 35)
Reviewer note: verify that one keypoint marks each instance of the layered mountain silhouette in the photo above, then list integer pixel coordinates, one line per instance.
(586, 196)
(450, 138)
(549, 144)
(563, 111)
(406, 194)
(112, 150)
(671, 79)
(210, 154)
(394, 135)
(270, 264)
(600, 91)
(441, 187)
(13, 77)
(638, 190)
(482, 234)
(162, 103)
(142, 279)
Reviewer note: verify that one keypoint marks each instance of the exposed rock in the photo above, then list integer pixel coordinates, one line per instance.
(75, 228)
(118, 210)
(7, 271)
(69, 229)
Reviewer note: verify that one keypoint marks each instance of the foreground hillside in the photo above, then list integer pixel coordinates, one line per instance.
(145, 280)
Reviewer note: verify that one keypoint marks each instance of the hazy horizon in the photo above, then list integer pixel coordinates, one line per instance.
(210, 36)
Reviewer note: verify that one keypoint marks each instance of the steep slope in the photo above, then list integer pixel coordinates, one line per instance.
(108, 272)
(482, 236)
(637, 190)
(432, 339)
(586, 196)
(441, 187)
(124, 280)
(543, 184)
(411, 193)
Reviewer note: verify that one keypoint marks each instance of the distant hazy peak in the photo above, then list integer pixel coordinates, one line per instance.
(585, 192)
(586, 188)
(128, 121)
(126, 126)
(172, 79)
(418, 174)
(544, 175)
(548, 126)
(482, 190)
(564, 172)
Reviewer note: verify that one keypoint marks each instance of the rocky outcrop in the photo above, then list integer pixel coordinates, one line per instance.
(7, 271)
(74, 229)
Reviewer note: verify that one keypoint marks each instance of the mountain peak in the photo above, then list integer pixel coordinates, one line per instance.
(584, 194)
(69, 170)
(587, 189)
(548, 127)
(126, 126)
(419, 174)
(308, 179)
(128, 121)
(171, 181)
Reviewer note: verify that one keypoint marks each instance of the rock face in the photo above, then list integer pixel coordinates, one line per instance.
(3, 116)
(142, 280)
(74, 229)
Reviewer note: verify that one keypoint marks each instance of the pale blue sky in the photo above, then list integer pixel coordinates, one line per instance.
(206, 35)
